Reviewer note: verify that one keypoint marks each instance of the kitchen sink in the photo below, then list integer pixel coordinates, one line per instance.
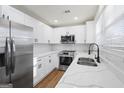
(86, 61)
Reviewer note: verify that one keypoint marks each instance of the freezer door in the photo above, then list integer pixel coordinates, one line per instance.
(4, 34)
(22, 36)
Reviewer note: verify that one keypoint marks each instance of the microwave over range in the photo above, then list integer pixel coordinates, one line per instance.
(68, 39)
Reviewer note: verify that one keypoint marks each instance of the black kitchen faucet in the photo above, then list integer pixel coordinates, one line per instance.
(98, 58)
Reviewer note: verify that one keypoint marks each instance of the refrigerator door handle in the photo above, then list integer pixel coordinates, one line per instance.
(13, 49)
(8, 56)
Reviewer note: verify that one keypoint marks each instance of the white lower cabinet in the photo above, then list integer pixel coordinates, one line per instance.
(55, 60)
(44, 66)
(39, 70)
(48, 64)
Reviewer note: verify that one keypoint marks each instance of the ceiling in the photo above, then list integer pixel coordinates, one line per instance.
(55, 16)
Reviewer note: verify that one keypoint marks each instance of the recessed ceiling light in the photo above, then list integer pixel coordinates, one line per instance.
(56, 21)
(75, 18)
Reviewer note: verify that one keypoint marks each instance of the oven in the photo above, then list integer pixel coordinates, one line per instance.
(65, 59)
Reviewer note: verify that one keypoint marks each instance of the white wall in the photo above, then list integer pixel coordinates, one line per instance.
(111, 42)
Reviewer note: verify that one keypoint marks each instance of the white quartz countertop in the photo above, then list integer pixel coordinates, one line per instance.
(44, 54)
(88, 76)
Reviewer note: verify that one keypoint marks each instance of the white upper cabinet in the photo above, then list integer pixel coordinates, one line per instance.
(43, 33)
(48, 34)
(90, 32)
(79, 32)
(13, 14)
(37, 28)
(39, 32)
(57, 33)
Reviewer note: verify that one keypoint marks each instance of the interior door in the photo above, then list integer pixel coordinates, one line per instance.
(23, 66)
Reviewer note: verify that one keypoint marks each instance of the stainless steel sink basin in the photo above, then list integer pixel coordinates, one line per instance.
(86, 61)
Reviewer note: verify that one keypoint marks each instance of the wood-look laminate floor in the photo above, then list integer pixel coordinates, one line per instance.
(51, 80)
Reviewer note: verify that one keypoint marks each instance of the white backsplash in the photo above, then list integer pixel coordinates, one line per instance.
(44, 48)
(111, 42)
(77, 47)
(41, 48)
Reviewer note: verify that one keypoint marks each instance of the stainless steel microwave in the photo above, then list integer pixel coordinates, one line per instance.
(68, 39)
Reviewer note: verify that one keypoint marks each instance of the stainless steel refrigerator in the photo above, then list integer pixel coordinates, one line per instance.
(16, 55)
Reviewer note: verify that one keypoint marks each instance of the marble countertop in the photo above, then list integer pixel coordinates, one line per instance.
(88, 76)
(44, 54)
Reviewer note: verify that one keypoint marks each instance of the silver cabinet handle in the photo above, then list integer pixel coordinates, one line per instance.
(8, 56)
(48, 41)
(7, 17)
(39, 60)
(13, 58)
(3, 16)
(39, 66)
(49, 61)
(35, 40)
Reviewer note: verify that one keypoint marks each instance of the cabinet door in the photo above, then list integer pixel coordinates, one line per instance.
(32, 22)
(47, 65)
(43, 33)
(14, 14)
(55, 60)
(90, 32)
(51, 39)
(56, 36)
(39, 33)
(57, 33)
(79, 32)
(39, 70)
(48, 34)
